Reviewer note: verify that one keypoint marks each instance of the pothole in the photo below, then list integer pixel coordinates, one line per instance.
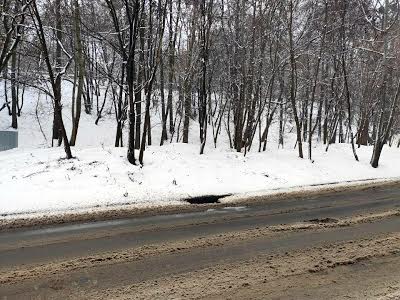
(208, 199)
(324, 220)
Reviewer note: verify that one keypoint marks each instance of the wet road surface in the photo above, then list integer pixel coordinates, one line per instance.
(41, 246)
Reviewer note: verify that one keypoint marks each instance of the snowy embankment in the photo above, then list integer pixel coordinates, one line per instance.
(38, 181)
(35, 180)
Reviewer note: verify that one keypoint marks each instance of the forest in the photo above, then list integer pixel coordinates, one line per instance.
(325, 71)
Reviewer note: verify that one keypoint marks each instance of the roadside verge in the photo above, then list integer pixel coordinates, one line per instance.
(9, 222)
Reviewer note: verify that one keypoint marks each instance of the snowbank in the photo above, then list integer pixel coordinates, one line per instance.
(37, 180)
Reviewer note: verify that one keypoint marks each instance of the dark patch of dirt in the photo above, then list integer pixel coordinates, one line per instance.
(323, 221)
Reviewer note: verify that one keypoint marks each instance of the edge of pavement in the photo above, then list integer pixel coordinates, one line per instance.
(10, 222)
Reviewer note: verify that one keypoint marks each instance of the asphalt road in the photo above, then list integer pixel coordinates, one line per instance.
(29, 247)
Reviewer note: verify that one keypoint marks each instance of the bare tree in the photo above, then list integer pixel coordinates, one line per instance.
(80, 73)
(55, 74)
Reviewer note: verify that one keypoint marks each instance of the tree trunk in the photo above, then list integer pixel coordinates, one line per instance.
(57, 126)
(293, 81)
(80, 61)
(14, 92)
(164, 134)
(58, 113)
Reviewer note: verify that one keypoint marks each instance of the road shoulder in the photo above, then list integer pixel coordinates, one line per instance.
(131, 211)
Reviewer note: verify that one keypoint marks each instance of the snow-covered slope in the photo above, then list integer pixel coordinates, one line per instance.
(39, 181)
(35, 123)
(36, 178)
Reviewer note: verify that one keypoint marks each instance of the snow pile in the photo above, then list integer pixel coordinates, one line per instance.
(37, 180)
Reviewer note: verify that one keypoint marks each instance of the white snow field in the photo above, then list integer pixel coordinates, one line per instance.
(39, 181)
(36, 179)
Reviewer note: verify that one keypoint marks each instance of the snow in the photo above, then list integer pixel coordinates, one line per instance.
(35, 179)
(39, 106)
(39, 181)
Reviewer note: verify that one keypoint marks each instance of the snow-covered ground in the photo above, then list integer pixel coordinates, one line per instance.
(39, 181)
(35, 123)
(36, 179)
